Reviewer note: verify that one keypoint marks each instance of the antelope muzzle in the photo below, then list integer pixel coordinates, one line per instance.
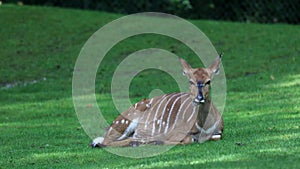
(199, 98)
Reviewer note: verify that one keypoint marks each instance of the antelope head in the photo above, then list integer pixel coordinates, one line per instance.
(199, 79)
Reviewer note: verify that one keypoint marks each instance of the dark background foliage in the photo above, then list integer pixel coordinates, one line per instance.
(271, 11)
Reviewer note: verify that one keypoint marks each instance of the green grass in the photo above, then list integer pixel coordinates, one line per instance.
(39, 127)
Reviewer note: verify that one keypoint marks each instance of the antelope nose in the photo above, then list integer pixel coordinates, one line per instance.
(200, 98)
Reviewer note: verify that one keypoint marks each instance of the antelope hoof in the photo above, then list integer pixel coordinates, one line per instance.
(97, 142)
(217, 136)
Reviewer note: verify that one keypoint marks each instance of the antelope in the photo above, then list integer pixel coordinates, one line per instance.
(176, 118)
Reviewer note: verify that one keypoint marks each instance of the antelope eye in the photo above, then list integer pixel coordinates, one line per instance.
(207, 83)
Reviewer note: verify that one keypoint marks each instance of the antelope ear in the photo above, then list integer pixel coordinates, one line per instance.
(215, 66)
(186, 68)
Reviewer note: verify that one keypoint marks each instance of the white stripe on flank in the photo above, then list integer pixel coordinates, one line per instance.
(109, 130)
(179, 111)
(188, 106)
(163, 112)
(171, 111)
(135, 105)
(194, 110)
(151, 110)
(129, 130)
(150, 101)
(157, 109)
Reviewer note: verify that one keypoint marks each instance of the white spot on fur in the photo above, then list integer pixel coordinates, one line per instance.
(148, 105)
(158, 122)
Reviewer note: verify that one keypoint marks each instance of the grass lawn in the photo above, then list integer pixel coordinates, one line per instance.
(39, 127)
